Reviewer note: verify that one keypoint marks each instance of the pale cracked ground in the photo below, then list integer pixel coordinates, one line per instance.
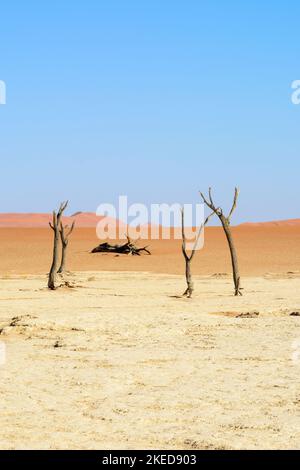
(120, 362)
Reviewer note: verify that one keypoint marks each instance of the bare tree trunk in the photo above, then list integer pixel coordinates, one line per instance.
(64, 245)
(188, 275)
(225, 221)
(234, 260)
(55, 227)
(188, 258)
(62, 267)
(53, 269)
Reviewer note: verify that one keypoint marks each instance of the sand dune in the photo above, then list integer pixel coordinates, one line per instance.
(90, 220)
(36, 220)
(279, 223)
(261, 250)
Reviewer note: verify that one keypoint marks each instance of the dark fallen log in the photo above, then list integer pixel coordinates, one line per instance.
(126, 249)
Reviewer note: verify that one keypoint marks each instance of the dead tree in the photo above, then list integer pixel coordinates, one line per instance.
(225, 221)
(127, 248)
(55, 225)
(64, 236)
(188, 257)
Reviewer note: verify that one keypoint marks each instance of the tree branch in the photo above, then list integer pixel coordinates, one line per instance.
(198, 235)
(236, 195)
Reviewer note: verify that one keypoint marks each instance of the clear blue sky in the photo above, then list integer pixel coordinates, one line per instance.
(153, 99)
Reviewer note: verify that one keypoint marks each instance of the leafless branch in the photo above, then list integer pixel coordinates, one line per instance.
(236, 195)
(225, 221)
(188, 258)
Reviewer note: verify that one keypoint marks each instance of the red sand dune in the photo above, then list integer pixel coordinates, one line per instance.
(33, 220)
(280, 223)
(261, 250)
(90, 220)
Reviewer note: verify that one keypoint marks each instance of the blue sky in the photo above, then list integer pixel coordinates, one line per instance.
(152, 99)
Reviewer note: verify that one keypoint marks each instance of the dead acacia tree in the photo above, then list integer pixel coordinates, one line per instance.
(65, 232)
(55, 225)
(127, 248)
(225, 221)
(188, 257)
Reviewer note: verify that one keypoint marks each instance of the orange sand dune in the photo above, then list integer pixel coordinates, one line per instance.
(34, 220)
(90, 219)
(261, 249)
(288, 222)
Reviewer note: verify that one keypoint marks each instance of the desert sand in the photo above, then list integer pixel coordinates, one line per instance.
(121, 361)
(261, 249)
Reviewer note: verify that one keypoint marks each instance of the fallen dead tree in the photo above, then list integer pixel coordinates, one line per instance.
(127, 248)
